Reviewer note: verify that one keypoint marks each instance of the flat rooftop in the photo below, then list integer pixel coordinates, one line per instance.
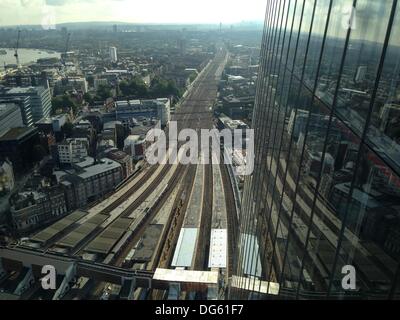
(56, 228)
(185, 248)
(17, 133)
(73, 238)
(186, 276)
(104, 242)
(24, 90)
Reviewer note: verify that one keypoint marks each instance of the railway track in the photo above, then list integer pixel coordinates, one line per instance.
(195, 113)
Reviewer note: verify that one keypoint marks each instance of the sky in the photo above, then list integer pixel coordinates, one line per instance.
(42, 12)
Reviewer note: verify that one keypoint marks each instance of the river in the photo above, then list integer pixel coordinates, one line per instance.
(25, 56)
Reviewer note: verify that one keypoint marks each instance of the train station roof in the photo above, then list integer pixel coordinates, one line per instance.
(51, 231)
(218, 245)
(104, 242)
(188, 276)
(185, 248)
(72, 239)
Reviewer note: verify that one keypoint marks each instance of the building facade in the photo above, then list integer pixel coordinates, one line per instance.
(17, 145)
(10, 117)
(7, 181)
(40, 100)
(89, 180)
(71, 151)
(323, 201)
(113, 54)
(24, 104)
(33, 209)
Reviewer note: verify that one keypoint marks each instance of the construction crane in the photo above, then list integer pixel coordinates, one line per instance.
(17, 47)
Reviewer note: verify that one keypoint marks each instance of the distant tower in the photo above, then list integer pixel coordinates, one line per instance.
(361, 74)
(220, 27)
(115, 28)
(113, 54)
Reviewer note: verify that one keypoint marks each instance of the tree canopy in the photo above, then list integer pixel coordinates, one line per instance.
(159, 88)
(64, 101)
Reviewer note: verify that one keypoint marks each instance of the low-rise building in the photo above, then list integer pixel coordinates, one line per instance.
(90, 179)
(32, 209)
(135, 146)
(71, 151)
(124, 159)
(125, 111)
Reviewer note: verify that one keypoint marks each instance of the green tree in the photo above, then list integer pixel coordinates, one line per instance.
(63, 101)
(104, 92)
(88, 98)
(136, 87)
(161, 88)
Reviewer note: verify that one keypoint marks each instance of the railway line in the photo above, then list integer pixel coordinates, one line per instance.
(195, 114)
(109, 230)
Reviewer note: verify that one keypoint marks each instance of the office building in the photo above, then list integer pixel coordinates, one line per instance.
(40, 100)
(24, 103)
(17, 145)
(10, 117)
(323, 201)
(113, 54)
(126, 111)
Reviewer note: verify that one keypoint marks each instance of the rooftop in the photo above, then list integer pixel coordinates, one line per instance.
(24, 90)
(17, 133)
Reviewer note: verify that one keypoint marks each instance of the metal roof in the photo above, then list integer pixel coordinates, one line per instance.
(104, 242)
(218, 252)
(188, 276)
(72, 239)
(185, 248)
(46, 234)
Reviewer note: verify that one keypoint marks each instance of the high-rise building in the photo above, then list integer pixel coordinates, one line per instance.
(320, 214)
(40, 100)
(113, 54)
(24, 104)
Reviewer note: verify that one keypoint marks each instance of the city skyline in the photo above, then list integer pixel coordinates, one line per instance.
(34, 12)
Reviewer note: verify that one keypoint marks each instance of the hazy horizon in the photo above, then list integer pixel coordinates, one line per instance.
(56, 12)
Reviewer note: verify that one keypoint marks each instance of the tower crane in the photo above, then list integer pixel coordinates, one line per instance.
(17, 47)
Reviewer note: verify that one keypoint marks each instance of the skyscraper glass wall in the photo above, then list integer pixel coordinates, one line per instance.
(321, 213)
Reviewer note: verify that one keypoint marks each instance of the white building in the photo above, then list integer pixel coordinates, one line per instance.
(72, 150)
(113, 54)
(361, 74)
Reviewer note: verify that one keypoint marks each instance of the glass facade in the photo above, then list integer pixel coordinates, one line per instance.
(325, 193)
